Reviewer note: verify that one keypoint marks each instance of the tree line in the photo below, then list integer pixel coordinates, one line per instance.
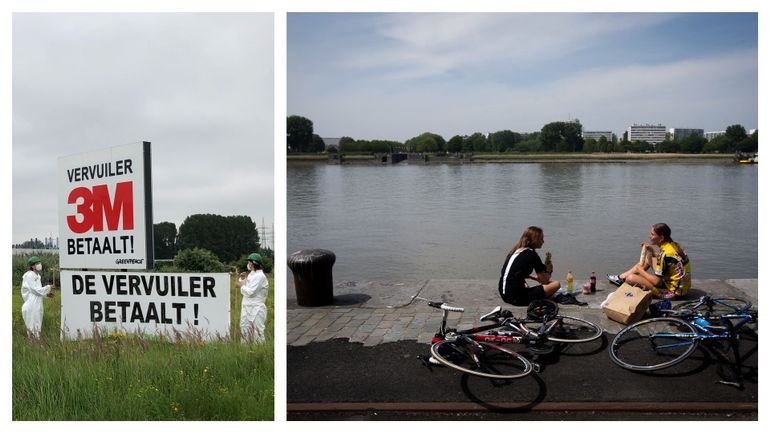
(552, 137)
(36, 244)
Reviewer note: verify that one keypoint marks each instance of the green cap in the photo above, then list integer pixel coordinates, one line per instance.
(254, 257)
(32, 260)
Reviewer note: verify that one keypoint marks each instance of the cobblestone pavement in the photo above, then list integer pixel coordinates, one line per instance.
(373, 321)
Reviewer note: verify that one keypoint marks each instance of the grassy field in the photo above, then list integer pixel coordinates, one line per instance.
(125, 377)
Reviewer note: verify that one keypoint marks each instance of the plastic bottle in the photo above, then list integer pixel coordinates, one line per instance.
(593, 281)
(570, 280)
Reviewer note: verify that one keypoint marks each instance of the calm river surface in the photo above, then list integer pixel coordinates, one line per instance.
(458, 221)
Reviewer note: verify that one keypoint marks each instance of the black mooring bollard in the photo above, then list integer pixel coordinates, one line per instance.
(313, 280)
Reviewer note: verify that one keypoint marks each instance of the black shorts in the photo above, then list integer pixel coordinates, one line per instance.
(522, 297)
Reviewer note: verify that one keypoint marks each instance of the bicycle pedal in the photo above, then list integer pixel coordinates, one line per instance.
(425, 361)
(737, 385)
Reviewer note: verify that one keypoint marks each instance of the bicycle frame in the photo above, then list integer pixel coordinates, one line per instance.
(704, 334)
(472, 332)
(518, 333)
(706, 300)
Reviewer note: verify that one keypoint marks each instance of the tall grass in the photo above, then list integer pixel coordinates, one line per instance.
(128, 377)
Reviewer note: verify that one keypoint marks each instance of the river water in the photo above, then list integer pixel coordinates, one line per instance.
(409, 222)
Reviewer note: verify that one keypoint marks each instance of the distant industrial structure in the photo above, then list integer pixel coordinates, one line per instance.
(653, 134)
(331, 141)
(683, 133)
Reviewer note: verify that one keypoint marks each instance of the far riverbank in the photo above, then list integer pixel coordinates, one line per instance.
(482, 158)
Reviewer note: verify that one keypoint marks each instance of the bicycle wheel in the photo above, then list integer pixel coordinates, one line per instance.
(717, 306)
(574, 330)
(481, 359)
(653, 344)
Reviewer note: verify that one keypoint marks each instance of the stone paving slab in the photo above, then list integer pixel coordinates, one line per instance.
(392, 313)
(371, 294)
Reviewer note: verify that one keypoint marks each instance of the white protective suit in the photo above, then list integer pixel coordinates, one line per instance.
(33, 293)
(253, 309)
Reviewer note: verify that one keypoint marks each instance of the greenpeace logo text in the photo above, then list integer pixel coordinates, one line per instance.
(129, 261)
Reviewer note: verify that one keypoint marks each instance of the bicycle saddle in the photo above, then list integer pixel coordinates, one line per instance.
(492, 315)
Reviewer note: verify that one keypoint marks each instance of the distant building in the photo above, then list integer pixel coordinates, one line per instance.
(331, 142)
(713, 134)
(652, 134)
(682, 133)
(596, 135)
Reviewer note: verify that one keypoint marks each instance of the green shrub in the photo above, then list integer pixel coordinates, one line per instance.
(198, 260)
(267, 264)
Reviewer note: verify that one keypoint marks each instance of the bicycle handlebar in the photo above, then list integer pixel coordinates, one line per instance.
(441, 305)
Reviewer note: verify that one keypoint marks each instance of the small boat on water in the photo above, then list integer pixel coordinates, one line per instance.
(747, 158)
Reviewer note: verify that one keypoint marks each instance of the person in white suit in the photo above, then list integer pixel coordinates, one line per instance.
(33, 292)
(254, 289)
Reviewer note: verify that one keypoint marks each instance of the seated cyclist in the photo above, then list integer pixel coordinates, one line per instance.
(671, 267)
(521, 261)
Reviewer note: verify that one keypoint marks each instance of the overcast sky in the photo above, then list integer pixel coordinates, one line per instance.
(198, 86)
(394, 76)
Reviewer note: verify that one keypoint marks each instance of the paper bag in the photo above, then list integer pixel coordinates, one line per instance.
(627, 304)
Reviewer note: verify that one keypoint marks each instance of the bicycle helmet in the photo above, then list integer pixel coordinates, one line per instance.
(542, 309)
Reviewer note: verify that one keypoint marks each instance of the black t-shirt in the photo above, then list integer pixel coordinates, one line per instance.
(516, 267)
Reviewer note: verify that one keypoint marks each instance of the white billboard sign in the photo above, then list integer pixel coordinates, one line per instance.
(165, 304)
(105, 208)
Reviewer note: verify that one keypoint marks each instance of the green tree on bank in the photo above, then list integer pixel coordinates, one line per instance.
(350, 145)
(426, 142)
(562, 137)
(299, 134)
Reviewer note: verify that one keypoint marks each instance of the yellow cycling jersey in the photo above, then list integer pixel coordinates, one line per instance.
(674, 270)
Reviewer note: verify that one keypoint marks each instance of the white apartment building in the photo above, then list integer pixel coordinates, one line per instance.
(652, 134)
(682, 133)
(596, 135)
(713, 134)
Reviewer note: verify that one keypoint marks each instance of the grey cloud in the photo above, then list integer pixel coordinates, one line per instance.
(423, 45)
(613, 98)
(199, 86)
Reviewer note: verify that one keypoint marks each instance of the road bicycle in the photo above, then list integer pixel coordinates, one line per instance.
(662, 342)
(478, 350)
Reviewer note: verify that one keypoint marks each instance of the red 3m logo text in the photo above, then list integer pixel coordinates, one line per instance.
(94, 207)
